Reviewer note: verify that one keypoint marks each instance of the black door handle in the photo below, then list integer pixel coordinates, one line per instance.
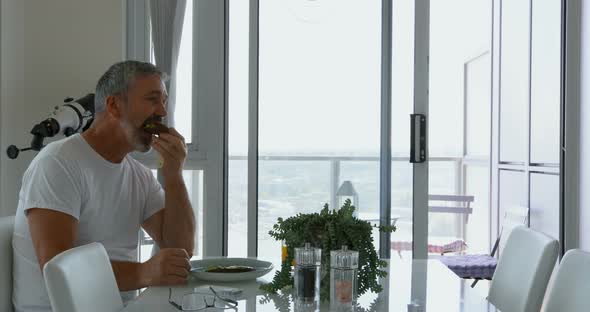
(417, 138)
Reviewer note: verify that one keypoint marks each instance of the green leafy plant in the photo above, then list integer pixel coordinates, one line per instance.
(329, 230)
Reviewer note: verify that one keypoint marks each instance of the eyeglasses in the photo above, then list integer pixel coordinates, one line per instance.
(192, 302)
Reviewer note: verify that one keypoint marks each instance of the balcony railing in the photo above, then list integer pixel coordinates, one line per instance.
(335, 163)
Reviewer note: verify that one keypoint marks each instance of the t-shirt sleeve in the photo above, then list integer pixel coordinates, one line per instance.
(155, 199)
(50, 183)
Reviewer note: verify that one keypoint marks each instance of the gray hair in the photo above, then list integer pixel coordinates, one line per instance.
(117, 79)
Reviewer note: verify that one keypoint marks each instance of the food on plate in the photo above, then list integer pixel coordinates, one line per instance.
(229, 269)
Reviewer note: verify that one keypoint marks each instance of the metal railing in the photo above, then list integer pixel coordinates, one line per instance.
(335, 166)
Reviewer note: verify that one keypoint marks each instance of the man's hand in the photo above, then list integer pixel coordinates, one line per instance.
(169, 267)
(173, 150)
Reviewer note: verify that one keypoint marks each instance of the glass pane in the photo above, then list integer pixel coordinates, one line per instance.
(238, 129)
(460, 31)
(545, 203)
(477, 183)
(319, 96)
(443, 180)
(287, 187)
(184, 73)
(194, 185)
(444, 176)
(459, 114)
(402, 105)
(401, 208)
(545, 81)
(238, 207)
(364, 177)
(514, 82)
(513, 191)
(478, 106)
(193, 180)
(145, 241)
(402, 76)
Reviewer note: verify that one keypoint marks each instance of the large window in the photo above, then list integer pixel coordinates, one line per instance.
(319, 107)
(194, 185)
(193, 176)
(238, 128)
(286, 99)
(183, 114)
(460, 114)
(529, 77)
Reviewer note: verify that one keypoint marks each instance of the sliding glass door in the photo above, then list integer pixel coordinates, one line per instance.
(460, 106)
(318, 110)
(328, 118)
(320, 97)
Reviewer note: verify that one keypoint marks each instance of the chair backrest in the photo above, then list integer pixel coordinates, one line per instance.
(450, 203)
(523, 271)
(6, 230)
(82, 279)
(514, 216)
(571, 285)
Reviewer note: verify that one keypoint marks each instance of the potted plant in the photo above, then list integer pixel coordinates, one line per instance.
(329, 230)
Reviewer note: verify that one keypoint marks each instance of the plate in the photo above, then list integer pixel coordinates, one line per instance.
(260, 269)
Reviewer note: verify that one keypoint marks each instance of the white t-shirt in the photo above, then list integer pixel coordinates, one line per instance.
(110, 202)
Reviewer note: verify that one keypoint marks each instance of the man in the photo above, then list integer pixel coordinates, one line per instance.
(86, 188)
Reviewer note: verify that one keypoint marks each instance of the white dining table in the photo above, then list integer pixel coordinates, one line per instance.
(410, 286)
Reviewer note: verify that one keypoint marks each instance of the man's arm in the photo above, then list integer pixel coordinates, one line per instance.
(173, 226)
(54, 232)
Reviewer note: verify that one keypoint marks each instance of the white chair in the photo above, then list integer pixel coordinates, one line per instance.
(514, 216)
(6, 230)
(523, 271)
(82, 279)
(571, 287)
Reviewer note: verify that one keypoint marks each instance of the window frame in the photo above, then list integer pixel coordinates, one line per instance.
(209, 102)
(209, 150)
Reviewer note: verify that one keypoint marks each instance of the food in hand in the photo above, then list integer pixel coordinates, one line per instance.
(229, 269)
(155, 128)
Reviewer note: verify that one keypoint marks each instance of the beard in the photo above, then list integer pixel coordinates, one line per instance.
(139, 139)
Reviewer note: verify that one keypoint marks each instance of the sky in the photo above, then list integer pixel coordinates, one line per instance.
(320, 75)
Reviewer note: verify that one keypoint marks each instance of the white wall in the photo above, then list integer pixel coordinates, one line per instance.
(49, 50)
(584, 169)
